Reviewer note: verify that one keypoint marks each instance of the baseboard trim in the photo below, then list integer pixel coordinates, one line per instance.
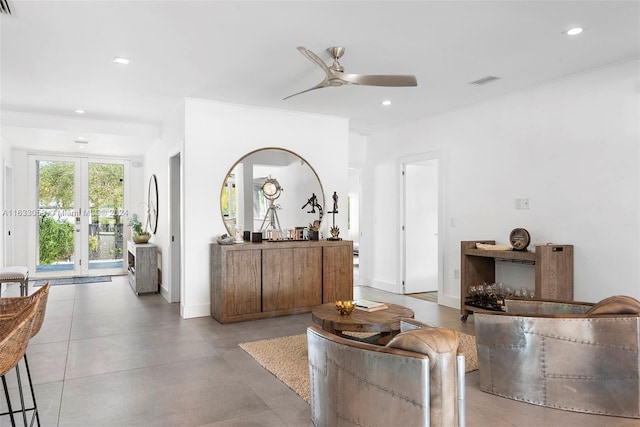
(385, 286)
(191, 311)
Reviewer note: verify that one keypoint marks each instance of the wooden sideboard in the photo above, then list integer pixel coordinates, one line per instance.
(269, 279)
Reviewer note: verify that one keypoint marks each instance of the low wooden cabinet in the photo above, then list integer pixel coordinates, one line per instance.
(259, 280)
(553, 270)
(142, 260)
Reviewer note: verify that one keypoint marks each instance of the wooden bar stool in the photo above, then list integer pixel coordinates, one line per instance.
(15, 274)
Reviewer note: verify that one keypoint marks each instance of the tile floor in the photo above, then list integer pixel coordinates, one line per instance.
(106, 357)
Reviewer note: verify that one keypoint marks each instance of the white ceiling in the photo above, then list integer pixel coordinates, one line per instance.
(56, 57)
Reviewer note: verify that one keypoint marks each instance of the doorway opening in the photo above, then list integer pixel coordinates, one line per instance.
(79, 220)
(353, 220)
(175, 228)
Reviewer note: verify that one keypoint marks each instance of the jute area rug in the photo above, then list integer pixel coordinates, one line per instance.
(286, 358)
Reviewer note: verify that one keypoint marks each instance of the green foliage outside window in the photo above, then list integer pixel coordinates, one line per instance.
(56, 185)
(56, 240)
(228, 203)
(93, 246)
(106, 191)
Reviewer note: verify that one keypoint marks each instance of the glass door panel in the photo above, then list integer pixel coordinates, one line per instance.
(106, 207)
(56, 216)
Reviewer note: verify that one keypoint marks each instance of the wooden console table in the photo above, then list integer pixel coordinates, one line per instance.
(553, 269)
(142, 267)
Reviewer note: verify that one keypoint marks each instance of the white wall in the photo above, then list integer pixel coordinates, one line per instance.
(5, 160)
(571, 146)
(357, 161)
(156, 162)
(357, 151)
(20, 201)
(216, 136)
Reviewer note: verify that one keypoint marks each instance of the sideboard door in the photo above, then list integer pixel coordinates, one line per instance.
(337, 271)
(241, 293)
(291, 278)
(307, 274)
(277, 279)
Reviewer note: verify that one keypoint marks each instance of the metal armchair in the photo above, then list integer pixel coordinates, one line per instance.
(579, 357)
(415, 380)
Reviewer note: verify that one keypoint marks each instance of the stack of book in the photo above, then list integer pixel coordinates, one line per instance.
(366, 305)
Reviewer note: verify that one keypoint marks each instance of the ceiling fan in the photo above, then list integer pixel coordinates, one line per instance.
(335, 75)
(4, 7)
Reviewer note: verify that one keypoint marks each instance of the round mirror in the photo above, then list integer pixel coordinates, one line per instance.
(271, 189)
(152, 204)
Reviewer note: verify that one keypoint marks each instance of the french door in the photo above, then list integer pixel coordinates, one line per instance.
(79, 217)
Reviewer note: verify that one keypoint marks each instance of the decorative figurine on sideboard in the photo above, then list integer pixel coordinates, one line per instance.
(314, 227)
(335, 231)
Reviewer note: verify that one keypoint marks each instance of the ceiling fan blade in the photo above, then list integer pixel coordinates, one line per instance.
(4, 7)
(334, 75)
(378, 80)
(320, 85)
(315, 59)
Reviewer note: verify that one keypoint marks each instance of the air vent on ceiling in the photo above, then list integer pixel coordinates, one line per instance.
(485, 80)
(4, 7)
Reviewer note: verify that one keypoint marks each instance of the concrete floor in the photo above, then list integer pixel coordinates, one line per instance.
(106, 357)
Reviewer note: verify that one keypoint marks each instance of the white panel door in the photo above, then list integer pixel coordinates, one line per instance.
(421, 226)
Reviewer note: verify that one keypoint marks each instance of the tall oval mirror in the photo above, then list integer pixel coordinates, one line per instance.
(271, 189)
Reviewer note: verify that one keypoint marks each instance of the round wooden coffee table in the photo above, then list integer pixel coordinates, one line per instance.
(383, 324)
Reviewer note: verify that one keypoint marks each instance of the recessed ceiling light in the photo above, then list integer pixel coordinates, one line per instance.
(573, 31)
(386, 102)
(79, 111)
(119, 60)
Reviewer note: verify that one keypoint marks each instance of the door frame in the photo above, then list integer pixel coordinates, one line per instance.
(8, 206)
(81, 263)
(357, 172)
(401, 162)
(176, 227)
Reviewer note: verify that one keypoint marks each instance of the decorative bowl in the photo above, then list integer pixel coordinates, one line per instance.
(141, 238)
(345, 307)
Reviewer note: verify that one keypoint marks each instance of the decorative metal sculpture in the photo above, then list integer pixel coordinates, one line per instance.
(314, 227)
(335, 231)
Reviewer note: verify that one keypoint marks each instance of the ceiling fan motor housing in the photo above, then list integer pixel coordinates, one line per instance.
(336, 53)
